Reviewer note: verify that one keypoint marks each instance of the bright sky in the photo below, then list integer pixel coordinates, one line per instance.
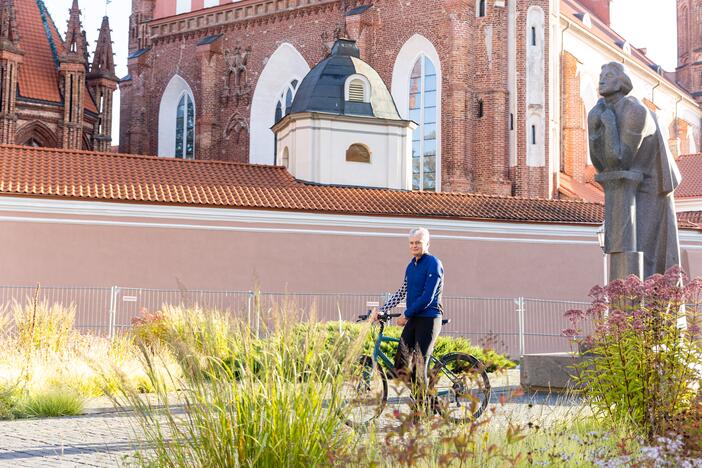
(650, 24)
(645, 23)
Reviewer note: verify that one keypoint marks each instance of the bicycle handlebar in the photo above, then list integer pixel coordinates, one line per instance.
(381, 317)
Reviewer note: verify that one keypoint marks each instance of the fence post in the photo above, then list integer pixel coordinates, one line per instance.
(258, 316)
(249, 300)
(113, 311)
(520, 321)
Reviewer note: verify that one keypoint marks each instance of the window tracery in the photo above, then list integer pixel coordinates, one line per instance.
(423, 111)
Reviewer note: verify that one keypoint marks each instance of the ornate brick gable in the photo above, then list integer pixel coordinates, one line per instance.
(45, 99)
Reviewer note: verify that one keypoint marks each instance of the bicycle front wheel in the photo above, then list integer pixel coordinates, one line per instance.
(462, 387)
(363, 393)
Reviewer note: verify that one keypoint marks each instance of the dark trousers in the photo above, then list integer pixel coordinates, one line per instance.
(416, 345)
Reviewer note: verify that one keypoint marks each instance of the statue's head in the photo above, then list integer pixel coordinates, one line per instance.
(613, 80)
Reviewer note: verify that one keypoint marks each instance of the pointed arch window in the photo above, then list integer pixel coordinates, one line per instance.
(185, 128)
(423, 111)
(285, 100)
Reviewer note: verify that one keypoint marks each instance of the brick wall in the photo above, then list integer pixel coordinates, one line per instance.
(475, 154)
(574, 139)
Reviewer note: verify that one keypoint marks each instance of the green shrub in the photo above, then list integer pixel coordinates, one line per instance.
(50, 403)
(8, 402)
(272, 405)
(643, 365)
(207, 332)
(340, 334)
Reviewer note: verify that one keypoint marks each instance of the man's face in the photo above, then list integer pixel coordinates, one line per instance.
(418, 245)
(609, 82)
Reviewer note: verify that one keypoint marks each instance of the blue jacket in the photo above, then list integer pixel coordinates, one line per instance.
(422, 288)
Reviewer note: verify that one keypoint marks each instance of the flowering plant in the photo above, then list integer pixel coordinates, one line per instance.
(644, 348)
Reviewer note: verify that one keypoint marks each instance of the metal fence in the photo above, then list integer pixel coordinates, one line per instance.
(514, 326)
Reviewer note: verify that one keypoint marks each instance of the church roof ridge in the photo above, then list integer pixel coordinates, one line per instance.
(71, 174)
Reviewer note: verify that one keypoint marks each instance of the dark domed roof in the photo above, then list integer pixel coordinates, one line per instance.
(322, 90)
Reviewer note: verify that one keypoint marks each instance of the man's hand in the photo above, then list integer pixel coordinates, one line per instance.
(401, 321)
(373, 317)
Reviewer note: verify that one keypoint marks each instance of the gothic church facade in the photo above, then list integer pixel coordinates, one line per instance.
(51, 95)
(498, 88)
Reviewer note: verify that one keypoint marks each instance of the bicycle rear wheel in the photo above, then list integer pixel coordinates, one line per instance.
(462, 387)
(363, 393)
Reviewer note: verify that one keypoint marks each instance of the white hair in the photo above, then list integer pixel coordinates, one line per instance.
(421, 232)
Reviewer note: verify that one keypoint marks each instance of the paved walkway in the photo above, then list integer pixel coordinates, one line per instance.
(106, 439)
(91, 440)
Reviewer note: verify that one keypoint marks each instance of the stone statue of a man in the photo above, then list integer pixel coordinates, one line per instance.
(630, 154)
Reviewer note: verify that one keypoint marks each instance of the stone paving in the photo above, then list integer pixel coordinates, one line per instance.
(106, 439)
(91, 440)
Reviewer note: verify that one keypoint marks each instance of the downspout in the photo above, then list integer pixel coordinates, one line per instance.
(653, 90)
(675, 123)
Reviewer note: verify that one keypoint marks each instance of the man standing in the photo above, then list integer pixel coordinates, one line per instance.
(422, 288)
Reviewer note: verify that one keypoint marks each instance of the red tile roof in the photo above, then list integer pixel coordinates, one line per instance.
(38, 75)
(573, 189)
(692, 217)
(690, 166)
(44, 172)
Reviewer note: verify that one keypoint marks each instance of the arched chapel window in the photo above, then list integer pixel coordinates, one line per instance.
(481, 8)
(423, 111)
(286, 158)
(185, 128)
(285, 100)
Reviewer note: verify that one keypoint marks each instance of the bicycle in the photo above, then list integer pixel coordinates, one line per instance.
(458, 382)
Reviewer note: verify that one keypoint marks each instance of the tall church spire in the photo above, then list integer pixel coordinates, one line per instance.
(102, 83)
(74, 44)
(72, 67)
(103, 58)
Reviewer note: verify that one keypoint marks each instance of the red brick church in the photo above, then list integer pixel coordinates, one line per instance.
(52, 95)
(487, 97)
(482, 79)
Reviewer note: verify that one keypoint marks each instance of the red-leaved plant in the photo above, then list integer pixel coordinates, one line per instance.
(644, 350)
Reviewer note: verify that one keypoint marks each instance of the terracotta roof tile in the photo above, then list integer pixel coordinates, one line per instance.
(573, 189)
(690, 219)
(38, 75)
(44, 172)
(690, 166)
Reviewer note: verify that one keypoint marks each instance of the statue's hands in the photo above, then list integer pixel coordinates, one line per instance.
(608, 118)
(594, 118)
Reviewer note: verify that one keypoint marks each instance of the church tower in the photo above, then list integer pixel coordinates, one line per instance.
(689, 71)
(10, 59)
(102, 83)
(142, 13)
(72, 67)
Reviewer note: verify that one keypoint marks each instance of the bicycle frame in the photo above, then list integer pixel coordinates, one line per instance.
(379, 354)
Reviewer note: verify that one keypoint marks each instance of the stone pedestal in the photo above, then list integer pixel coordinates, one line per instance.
(620, 223)
(549, 371)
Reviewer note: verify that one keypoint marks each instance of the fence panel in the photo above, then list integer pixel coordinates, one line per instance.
(268, 307)
(131, 302)
(509, 325)
(488, 322)
(544, 322)
(92, 304)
